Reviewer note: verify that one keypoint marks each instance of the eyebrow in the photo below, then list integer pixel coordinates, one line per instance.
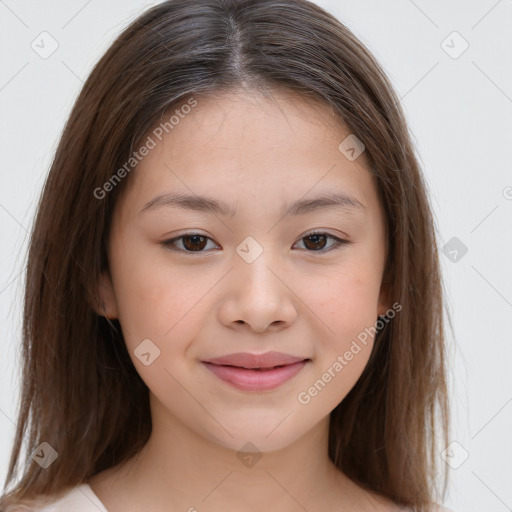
(208, 204)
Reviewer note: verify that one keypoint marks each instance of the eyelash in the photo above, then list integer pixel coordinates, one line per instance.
(338, 242)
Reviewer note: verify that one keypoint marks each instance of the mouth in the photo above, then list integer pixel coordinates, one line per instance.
(251, 361)
(256, 373)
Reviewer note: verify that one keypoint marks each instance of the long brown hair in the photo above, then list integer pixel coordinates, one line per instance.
(80, 392)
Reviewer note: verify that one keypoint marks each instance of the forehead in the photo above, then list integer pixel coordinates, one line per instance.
(242, 146)
(253, 121)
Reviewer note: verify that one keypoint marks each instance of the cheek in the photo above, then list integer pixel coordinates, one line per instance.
(160, 312)
(154, 301)
(346, 303)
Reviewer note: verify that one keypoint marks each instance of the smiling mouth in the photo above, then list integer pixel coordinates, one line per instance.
(256, 379)
(254, 369)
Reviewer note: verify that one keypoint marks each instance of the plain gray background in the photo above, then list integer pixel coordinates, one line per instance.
(458, 104)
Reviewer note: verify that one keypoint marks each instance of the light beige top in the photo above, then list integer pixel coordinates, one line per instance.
(78, 499)
(83, 499)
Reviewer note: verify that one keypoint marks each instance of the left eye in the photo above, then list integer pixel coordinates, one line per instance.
(195, 242)
(319, 238)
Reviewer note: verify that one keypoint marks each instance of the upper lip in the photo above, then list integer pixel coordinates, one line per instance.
(248, 360)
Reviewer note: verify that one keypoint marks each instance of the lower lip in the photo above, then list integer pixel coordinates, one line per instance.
(255, 380)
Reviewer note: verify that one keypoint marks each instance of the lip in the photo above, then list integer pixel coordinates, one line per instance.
(248, 360)
(253, 372)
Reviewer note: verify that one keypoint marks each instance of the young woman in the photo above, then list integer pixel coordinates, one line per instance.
(233, 296)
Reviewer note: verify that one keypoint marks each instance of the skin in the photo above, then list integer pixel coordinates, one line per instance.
(305, 299)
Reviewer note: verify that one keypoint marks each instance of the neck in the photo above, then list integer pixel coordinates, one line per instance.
(182, 470)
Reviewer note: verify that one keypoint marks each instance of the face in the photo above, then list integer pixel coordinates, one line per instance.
(191, 283)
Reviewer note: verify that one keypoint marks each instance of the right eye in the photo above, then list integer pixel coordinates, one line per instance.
(190, 242)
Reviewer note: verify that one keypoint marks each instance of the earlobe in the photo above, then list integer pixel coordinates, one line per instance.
(107, 305)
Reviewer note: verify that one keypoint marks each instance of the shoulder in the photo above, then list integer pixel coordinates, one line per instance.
(78, 499)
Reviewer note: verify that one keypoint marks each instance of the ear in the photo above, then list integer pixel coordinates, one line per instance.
(384, 303)
(107, 300)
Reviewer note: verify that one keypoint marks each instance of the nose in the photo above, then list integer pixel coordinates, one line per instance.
(258, 296)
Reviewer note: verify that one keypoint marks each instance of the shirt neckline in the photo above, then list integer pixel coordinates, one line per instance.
(86, 490)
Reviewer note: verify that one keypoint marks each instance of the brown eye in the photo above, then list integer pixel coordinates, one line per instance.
(191, 242)
(317, 242)
(194, 242)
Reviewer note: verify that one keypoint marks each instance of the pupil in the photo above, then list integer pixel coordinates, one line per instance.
(193, 246)
(315, 239)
